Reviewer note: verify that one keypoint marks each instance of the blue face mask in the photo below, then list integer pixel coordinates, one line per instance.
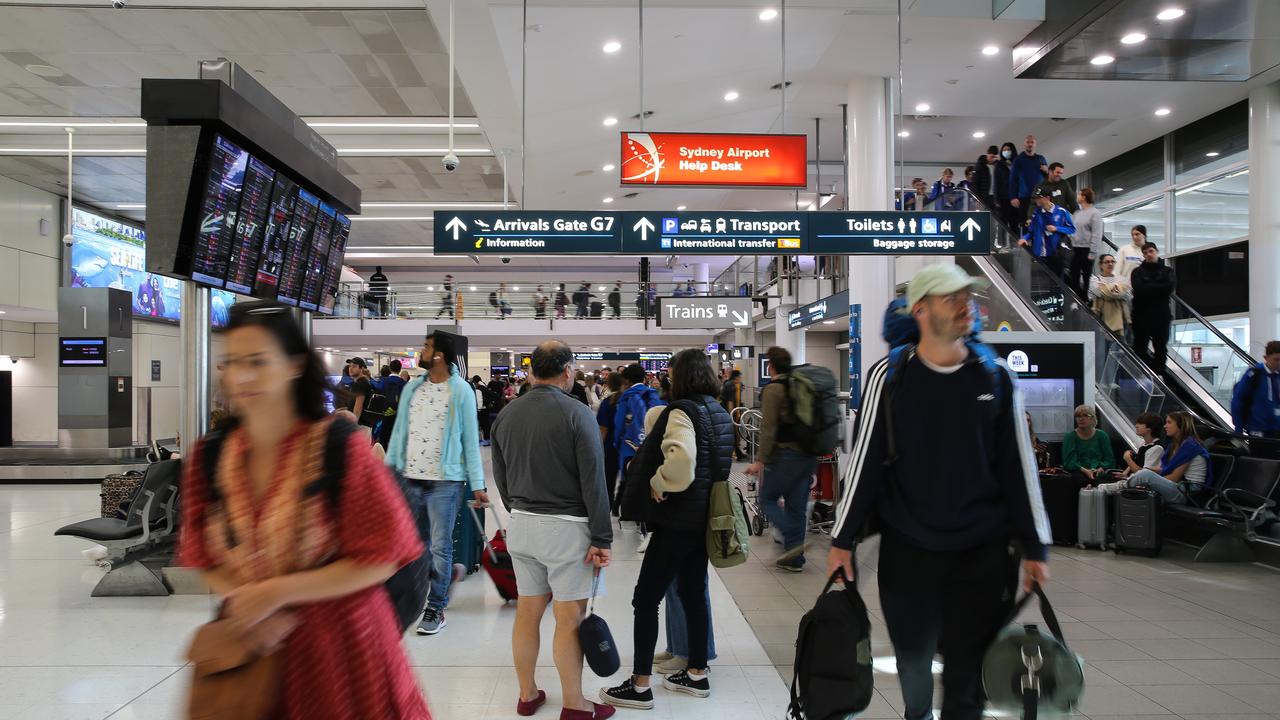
(1007, 155)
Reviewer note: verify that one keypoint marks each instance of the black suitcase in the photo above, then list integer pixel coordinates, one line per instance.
(597, 309)
(468, 538)
(1137, 518)
(1061, 493)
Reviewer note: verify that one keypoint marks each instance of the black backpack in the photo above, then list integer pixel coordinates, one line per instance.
(814, 411)
(833, 677)
(409, 586)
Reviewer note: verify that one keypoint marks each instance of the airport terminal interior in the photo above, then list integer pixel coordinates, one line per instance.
(752, 180)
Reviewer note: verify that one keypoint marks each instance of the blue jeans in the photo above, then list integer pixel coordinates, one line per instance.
(436, 507)
(1168, 490)
(788, 477)
(677, 627)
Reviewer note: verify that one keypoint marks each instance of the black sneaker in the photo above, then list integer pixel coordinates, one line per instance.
(681, 682)
(432, 621)
(627, 695)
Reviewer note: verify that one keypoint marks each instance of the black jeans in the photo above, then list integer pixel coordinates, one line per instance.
(485, 420)
(1081, 271)
(672, 554)
(1156, 333)
(958, 597)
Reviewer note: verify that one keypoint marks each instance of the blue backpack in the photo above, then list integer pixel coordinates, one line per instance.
(633, 407)
(902, 334)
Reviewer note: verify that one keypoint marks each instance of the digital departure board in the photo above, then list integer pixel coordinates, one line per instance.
(333, 270)
(223, 182)
(317, 260)
(251, 221)
(275, 238)
(82, 352)
(305, 209)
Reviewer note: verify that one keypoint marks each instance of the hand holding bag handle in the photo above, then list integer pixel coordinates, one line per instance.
(1032, 659)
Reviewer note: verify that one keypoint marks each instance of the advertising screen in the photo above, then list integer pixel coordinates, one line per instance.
(333, 269)
(82, 352)
(218, 208)
(220, 302)
(275, 238)
(305, 209)
(317, 259)
(109, 253)
(251, 221)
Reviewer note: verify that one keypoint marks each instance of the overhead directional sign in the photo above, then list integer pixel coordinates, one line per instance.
(712, 313)
(832, 306)
(899, 233)
(713, 233)
(526, 233)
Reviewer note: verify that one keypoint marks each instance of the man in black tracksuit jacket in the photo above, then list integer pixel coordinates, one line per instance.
(951, 502)
(1153, 285)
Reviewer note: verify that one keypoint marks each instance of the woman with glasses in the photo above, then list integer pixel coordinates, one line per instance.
(300, 567)
(1111, 294)
(1086, 451)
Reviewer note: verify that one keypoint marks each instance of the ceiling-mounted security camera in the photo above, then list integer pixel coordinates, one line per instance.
(450, 162)
(119, 4)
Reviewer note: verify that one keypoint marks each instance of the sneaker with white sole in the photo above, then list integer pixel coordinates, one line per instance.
(627, 695)
(432, 621)
(644, 543)
(682, 682)
(671, 665)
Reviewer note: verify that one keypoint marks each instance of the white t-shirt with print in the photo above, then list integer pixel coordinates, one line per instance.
(427, 413)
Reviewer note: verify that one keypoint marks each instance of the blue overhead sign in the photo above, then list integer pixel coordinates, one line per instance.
(832, 306)
(526, 233)
(899, 233)
(713, 233)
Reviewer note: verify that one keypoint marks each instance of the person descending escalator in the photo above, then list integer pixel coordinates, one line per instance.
(1153, 285)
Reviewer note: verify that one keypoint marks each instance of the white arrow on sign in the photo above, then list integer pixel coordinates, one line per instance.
(644, 226)
(456, 225)
(741, 319)
(970, 225)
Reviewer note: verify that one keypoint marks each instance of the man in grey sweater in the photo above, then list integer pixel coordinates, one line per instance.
(548, 466)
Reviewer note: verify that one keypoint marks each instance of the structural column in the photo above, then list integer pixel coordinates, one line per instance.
(195, 331)
(870, 187)
(1264, 217)
(784, 337)
(701, 278)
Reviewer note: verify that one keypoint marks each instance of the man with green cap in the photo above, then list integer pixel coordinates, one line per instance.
(943, 459)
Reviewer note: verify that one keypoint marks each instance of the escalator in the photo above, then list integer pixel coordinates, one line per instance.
(1028, 296)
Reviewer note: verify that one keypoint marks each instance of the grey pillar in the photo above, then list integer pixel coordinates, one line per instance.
(195, 361)
(95, 368)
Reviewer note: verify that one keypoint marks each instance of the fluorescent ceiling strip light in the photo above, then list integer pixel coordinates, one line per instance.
(1193, 188)
(396, 218)
(384, 248)
(413, 151)
(73, 123)
(394, 125)
(461, 205)
(129, 206)
(78, 151)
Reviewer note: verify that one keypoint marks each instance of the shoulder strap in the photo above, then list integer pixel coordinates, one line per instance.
(898, 359)
(335, 460)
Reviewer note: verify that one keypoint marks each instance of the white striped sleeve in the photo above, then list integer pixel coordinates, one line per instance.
(853, 480)
(1027, 461)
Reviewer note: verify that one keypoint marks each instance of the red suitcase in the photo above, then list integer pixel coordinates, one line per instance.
(496, 561)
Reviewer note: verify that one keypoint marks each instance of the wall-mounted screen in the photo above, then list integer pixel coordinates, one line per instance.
(108, 253)
(82, 352)
(250, 226)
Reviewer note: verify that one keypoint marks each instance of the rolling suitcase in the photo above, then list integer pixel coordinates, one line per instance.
(1092, 529)
(468, 539)
(597, 309)
(496, 561)
(1138, 522)
(117, 491)
(1061, 493)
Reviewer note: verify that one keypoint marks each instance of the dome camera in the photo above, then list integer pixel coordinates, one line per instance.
(505, 260)
(119, 4)
(451, 162)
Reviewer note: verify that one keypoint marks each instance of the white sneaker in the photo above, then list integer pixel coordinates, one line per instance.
(777, 535)
(672, 665)
(644, 543)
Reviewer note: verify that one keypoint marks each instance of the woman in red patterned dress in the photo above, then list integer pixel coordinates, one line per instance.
(301, 570)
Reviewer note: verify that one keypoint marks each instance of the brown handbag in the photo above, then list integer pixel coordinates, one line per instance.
(231, 681)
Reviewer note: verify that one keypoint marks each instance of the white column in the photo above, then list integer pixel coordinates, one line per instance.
(784, 337)
(1264, 216)
(702, 276)
(870, 187)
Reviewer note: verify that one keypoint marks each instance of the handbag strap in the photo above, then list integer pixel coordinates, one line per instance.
(1046, 611)
(595, 586)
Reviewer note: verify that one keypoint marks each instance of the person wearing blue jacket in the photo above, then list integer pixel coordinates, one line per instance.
(436, 448)
(1049, 231)
(1027, 171)
(1255, 402)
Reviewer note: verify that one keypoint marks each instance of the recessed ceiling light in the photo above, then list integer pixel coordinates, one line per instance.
(768, 14)
(1117, 189)
(1102, 60)
(610, 121)
(978, 135)
(516, 288)
(607, 200)
(1133, 38)
(731, 96)
(364, 348)
(600, 287)
(612, 46)
(44, 71)
(431, 288)
(2, 312)
(828, 322)
(1172, 13)
(640, 348)
(990, 50)
(680, 208)
(1161, 112)
(1078, 152)
(922, 107)
(1212, 153)
(595, 349)
(609, 168)
(473, 288)
(904, 133)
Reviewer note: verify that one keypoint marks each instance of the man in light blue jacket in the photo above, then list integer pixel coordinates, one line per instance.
(436, 446)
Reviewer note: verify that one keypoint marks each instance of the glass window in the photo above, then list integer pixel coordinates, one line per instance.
(1212, 212)
(1212, 142)
(1151, 216)
(1134, 174)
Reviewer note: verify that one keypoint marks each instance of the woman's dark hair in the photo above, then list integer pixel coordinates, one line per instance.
(385, 371)
(1140, 228)
(779, 359)
(1150, 421)
(277, 319)
(1186, 426)
(1011, 146)
(1087, 194)
(692, 375)
(614, 382)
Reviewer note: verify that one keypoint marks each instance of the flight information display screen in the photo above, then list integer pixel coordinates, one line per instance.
(333, 270)
(275, 238)
(305, 209)
(317, 260)
(221, 200)
(82, 352)
(251, 221)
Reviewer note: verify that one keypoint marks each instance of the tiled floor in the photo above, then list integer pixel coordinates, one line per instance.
(1161, 638)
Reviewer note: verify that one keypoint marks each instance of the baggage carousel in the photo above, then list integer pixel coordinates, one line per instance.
(49, 464)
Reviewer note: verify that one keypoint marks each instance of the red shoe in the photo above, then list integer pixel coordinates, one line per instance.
(601, 713)
(529, 707)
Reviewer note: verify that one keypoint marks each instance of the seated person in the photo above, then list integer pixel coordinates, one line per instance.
(1184, 468)
(1148, 457)
(1041, 449)
(1086, 451)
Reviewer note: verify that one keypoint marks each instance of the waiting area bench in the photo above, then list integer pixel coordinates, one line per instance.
(1243, 499)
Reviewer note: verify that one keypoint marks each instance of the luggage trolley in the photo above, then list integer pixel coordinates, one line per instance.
(825, 495)
(747, 422)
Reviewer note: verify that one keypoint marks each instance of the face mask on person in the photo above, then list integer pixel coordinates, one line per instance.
(1007, 155)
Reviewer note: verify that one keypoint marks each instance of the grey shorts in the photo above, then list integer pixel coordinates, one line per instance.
(548, 555)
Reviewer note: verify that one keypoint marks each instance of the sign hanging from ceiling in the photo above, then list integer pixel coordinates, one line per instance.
(710, 313)
(832, 306)
(713, 233)
(526, 233)
(899, 233)
(714, 160)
